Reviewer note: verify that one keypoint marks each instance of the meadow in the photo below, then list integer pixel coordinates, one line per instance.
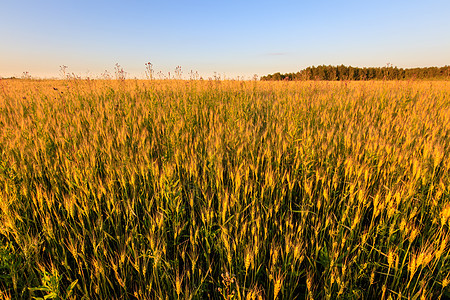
(172, 189)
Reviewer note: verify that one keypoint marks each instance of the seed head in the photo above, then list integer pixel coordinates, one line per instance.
(445, 282)
(391, 258)
(247, 261)
(277, 288)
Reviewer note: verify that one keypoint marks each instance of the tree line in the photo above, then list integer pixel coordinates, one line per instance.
(355, 73)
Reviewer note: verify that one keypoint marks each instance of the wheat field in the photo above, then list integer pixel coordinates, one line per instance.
(178, 189)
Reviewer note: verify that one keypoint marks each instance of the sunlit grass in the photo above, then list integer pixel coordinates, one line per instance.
(199, 189)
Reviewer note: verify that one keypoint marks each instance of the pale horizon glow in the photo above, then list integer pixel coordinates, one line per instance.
(226, 38)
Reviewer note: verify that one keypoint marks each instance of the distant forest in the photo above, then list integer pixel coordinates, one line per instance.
(354, 73)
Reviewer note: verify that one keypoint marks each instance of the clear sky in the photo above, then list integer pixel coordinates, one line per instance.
(228, 37)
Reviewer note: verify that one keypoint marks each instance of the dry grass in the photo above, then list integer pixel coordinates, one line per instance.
(251, 190)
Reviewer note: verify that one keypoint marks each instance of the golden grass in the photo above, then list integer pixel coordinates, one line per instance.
(198, 189)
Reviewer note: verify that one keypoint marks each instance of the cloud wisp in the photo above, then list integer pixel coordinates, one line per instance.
(277, 53)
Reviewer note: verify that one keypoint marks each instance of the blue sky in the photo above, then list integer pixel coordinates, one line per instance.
(232, 38)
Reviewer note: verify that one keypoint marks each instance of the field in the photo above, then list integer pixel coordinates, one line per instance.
(224, 189)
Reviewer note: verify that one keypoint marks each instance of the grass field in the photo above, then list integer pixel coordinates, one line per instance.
(224, 189)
